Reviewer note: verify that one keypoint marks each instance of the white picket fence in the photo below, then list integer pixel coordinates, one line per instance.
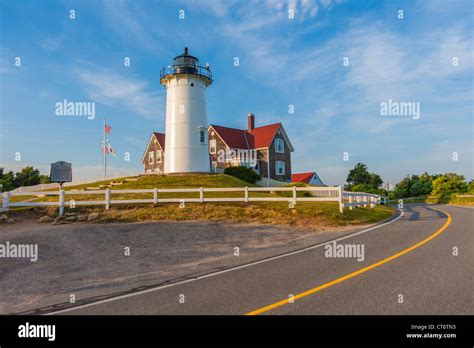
(318, 194)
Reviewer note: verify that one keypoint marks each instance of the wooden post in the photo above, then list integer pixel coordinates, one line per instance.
(341, 200)
(294, 195)
(350, 202)
(61, 202)
(6, 201)
(107, 199)
(201, 195)
(246, 194)
(155, 196)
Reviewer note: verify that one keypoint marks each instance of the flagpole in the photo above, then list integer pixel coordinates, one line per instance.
(105, 153)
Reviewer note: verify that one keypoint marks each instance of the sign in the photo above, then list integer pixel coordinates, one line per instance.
(61, 172)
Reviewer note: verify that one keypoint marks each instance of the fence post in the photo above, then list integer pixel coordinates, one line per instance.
(246, 194)
(294, 195)
(107, 199)
(372, 200)
(201, 195)
(6, 200)
(341, 200)
(61, 202)
(155, 196)
(350, 202)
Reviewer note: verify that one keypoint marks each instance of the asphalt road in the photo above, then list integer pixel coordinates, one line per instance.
(399, 275)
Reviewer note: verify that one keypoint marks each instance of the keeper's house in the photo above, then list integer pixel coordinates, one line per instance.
(266, 149)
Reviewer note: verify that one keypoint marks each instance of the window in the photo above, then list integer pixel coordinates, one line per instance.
(202, 136)
(280, 167)
(279, 146)
(214, 166)
(159, 155)
(151, 157)
(212, 146)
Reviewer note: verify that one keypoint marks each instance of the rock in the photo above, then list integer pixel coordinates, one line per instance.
(58, 219)
(69, 214)
(51, 211)
(92, 216)
(82, 217)
(3, 217)
(62, 222)
(45, 219)
(11, 220)
(71, 218)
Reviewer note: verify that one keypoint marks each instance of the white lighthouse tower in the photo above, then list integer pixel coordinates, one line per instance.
(186, 117)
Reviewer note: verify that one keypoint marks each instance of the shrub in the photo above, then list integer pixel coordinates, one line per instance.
(243, 173)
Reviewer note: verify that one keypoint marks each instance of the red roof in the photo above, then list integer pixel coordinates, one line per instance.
(302, 177)
(233, 137)
(258, 138)
(161, 139)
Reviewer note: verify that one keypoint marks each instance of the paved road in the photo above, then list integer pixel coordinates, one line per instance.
(426, 278)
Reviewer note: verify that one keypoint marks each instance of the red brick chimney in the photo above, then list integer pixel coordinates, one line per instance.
(251, 122)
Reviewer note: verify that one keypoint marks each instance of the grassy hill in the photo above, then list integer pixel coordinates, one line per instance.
(305, 214)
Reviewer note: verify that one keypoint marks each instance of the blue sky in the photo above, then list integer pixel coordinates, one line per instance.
(283, 61)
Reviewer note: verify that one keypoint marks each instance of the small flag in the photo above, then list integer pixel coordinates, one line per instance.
(110, 150)
(107, 129)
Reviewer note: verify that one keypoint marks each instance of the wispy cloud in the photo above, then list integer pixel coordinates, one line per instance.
(113, 89)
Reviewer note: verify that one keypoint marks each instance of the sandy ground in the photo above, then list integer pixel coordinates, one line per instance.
(88, 260)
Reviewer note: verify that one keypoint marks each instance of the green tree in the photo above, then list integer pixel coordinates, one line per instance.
(360, 179)
(471, 187)
(449, 183)
(7, 180)
(44, 179)
(27, 176)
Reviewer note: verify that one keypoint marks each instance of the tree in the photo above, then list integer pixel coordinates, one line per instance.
(414, 186)
(27, 176)
(7, 180)
(358, 175)
(360, 179)
(449, 183)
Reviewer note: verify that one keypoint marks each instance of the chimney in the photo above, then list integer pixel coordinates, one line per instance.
(251, 122)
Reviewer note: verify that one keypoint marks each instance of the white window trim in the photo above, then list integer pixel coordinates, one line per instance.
(277, 166)
(213, 144)
(159, 158)
(279, 141)
(151, 157)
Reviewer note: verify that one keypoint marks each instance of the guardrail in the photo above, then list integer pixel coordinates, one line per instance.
(318, 194)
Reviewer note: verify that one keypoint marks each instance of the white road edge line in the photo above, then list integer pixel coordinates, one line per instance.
(229, 269)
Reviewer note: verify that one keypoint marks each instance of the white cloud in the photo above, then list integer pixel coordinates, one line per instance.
(115, 90)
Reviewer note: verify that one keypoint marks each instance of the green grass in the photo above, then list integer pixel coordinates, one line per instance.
(305, 214)
(454, 199)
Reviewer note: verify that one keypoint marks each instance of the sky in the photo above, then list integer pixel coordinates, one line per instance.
(333, 62)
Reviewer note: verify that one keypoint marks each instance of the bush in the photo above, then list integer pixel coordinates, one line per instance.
(448, 184)
(243, 173)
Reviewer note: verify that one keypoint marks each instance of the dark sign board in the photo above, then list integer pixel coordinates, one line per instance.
(61, 172)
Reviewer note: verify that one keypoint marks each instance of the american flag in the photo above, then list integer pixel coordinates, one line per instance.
(107, 129)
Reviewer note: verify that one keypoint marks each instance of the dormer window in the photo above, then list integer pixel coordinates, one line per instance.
(279, 146)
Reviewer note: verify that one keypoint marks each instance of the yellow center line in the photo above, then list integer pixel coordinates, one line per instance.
(353, 274)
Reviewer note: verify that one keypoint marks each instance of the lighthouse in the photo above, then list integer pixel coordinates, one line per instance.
(186, 117)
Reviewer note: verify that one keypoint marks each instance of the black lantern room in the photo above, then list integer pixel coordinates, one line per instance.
(186, 64)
